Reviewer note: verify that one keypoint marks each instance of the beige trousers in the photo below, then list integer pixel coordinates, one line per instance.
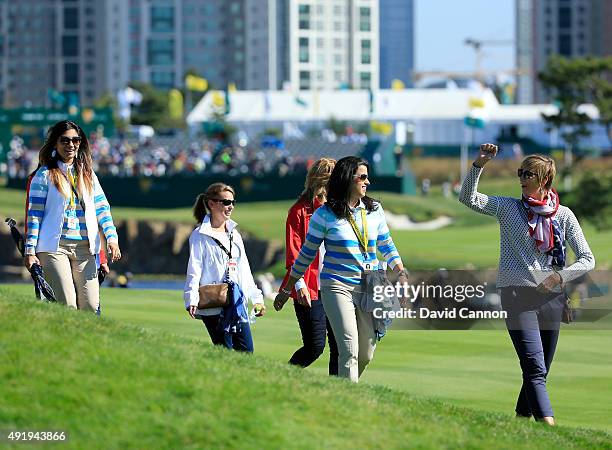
(353, 328)
(72, 273)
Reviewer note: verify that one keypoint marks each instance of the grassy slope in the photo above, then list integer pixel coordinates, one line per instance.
(472, 239)
(476, 369)
(116, 386)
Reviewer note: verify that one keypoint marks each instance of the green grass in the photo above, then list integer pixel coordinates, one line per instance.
(112, 383)
(473, 239)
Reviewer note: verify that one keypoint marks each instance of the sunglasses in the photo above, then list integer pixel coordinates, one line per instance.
(362, 177)
(522, 173)
(66, 140)
(225, 201)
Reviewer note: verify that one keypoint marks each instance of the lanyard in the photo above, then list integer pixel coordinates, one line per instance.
(72, 182)
(361, 237)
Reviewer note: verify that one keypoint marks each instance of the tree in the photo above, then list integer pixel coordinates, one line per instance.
(108, 100)
(219, 128)
(573, 82)
(601, 92)
(337, 126)
(153, 110)
(592, 200)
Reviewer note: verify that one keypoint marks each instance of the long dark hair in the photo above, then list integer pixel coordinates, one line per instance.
(339, 187)
(83, 162)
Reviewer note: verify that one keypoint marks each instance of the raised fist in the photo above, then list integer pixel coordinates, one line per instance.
(487, 153)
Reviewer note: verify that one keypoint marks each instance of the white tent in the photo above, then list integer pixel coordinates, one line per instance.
(437, 114)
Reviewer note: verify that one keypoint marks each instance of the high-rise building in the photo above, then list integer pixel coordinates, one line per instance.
(396, 42)
(333, 44)
(63, 45)
(570, 28)
(169, 38)
(312, 44)
(88, 48)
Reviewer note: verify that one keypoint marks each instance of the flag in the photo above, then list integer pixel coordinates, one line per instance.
(474, 122)
(382, 128)
(267, 104)
(56, 97)
(476, 118)
(231, 87)
(73, 102)
(195, 83)
(507, 94)
(217, 99)
(87, 114)
(175, 104)
(397, 85)
(300, 101)
(125, 98)
(476, 102)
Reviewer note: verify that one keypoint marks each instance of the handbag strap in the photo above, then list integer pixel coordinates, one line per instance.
(226, 279)
(225, 250)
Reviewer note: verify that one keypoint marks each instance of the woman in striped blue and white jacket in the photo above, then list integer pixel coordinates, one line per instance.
(352, 227)
(65, 207)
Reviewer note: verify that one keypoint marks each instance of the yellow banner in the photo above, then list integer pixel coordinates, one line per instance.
(218, 99)
(194, 83)
(476, 102)
(175, 104)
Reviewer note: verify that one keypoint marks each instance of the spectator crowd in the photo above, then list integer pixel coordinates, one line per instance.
(170, 156)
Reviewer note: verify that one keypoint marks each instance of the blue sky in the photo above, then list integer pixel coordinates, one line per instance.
(443, 25)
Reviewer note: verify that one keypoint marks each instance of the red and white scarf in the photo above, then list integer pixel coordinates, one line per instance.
(540, 215)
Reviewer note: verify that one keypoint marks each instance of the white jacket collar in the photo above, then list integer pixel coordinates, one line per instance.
(360, 205)
(63, 166)
(205, 227)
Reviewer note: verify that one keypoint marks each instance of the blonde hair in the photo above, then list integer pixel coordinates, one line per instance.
(317, 178)
(543, 167)
(212, 192)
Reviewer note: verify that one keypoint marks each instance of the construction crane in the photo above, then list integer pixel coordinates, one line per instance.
(477, 45)
(478, 74)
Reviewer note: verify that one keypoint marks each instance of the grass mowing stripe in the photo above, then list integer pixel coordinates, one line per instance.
(477, 369)
(117, 386)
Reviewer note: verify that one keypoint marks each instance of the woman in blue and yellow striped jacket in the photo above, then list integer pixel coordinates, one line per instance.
(352, 227)
(65, 207)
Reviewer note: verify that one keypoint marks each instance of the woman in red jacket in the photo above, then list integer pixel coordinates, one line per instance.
(308, 306)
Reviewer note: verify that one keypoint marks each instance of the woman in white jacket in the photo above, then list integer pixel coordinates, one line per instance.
(66, 206)
(216, 249)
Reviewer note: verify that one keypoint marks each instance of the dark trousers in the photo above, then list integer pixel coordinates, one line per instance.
(313, 325)
(240, 340)
(533, 323)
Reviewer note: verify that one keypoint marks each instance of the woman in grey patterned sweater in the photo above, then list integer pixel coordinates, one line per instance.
(533, 232)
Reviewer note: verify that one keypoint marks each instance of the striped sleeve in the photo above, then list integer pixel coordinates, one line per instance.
(316, 233)
(384, 242)
(37, 198)
(103, 213)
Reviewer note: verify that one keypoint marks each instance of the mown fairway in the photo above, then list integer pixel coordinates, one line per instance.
(472, 239)
(112, 385)
(476, 369)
